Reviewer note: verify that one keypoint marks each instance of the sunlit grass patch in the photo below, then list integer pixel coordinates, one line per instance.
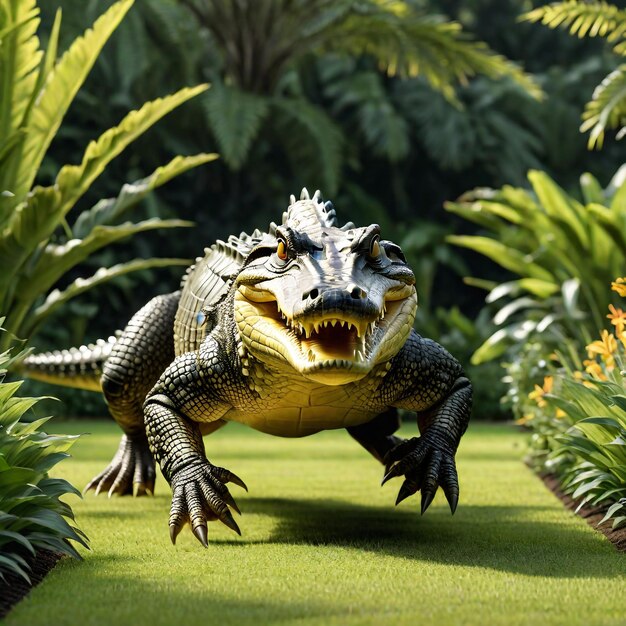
(322, 543)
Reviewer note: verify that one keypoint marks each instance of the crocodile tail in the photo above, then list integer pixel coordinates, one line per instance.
(80, 368)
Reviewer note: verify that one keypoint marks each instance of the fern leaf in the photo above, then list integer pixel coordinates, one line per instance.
(59, 90)
(318, 159)
(58, 297)
(235, 118)
(385, 131)
(607, 108)
(593, 19)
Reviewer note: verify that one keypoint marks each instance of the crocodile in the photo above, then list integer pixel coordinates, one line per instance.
(304, 327)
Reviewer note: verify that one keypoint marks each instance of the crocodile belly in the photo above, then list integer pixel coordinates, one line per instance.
(298, 421)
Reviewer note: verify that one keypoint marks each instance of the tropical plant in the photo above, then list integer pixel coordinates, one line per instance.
(607, 107)
(261, 40)
(32, 517)
(38, 245)
(562, 250)
(579, 421)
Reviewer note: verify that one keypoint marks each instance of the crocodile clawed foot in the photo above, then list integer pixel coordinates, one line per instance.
(199, 495)
(426, 462)
(131, 471)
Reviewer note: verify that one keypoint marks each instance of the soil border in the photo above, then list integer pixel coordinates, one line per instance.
(591, 515)
(14, 587)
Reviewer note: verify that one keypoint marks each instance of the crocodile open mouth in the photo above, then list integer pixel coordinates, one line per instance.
(318, 342)
(331, 338)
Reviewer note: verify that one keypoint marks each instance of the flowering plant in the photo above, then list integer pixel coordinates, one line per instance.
(579, 425)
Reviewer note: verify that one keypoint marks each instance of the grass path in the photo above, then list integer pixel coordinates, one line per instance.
(323, 544)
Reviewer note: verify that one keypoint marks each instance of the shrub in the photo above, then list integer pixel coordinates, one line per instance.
(564, 252)
(32, 517)
(579, 425)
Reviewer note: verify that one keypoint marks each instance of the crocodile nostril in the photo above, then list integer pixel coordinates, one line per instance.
(312, 294)
(357, 293)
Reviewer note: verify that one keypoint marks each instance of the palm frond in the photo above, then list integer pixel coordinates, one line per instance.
(592, 19)
(429, 46)
(607, 107)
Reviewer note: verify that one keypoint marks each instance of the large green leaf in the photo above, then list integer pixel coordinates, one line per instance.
(56, 260)
(558, 204)
(59, 90)
(74, 180)
(19, 62)
(19, 59)
(507, 257)
(497, 344)
(106, 211)
(58, 297)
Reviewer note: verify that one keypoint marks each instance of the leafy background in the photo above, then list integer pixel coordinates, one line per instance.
(389, 149)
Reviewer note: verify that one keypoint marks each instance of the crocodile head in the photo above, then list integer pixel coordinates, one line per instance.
(331, 303)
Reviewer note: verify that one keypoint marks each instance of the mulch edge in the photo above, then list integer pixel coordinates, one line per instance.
(15, 588)
(591, 515)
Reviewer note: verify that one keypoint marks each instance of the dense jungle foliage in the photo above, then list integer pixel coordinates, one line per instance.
(387, 147)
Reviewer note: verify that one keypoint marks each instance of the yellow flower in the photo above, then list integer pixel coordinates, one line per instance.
(618, 319)
(560, 414)
(539, 392)
(595, 369)
(524, 419)
(605, 348)
(619, 285)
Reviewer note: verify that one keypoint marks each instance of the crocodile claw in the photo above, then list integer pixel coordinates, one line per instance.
(410, 486)
(427, 462)
(199, 496)
(201, 535)
(131, 471)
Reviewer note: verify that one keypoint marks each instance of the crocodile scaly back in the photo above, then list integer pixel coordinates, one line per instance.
(206, 283)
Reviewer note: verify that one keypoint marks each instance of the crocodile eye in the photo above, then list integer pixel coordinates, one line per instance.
(281, 250)
(374, 251)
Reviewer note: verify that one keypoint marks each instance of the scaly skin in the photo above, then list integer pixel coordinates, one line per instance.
(303, 328)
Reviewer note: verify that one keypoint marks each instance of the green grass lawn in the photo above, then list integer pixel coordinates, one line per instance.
(323, 544)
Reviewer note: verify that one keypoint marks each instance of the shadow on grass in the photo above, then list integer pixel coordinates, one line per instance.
(505, 538)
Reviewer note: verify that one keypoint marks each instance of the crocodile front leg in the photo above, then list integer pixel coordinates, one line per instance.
(436, 388)
(199, 492)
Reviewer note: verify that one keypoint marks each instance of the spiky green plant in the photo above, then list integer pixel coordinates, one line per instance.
(607, 107)
(32, 516)
(261, 40)
(563, 252)
(40, 238)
